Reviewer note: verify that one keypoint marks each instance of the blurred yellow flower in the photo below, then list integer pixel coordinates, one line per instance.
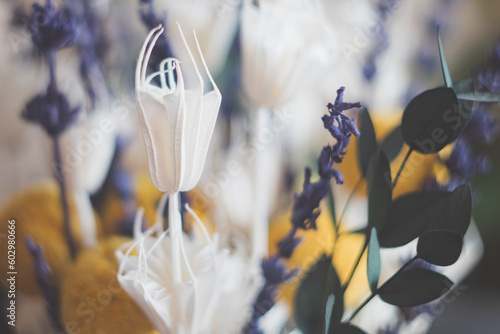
(91, 297)
(37, 212)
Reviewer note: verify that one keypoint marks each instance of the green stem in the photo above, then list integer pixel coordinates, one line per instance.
(374, 293)
(331, 200)
(401, 168)
(346, 285)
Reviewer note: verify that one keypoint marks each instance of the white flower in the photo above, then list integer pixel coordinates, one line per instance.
(283, 50)
(214, 21)
(177, 123)
(216, 291)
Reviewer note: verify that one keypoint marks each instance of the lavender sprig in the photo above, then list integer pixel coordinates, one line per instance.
(305, 209)
(43, 274)
(384, 8)
(51, 30)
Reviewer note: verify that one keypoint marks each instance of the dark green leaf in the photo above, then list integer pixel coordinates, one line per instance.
(344, 329)
(444, 66)
(312, 295)
(393, 143)
(367, 143)
(432, 120)
(453, 213)
(441, 242)
(379, 189)
(440, 247)
(373, 261)
(466, 91)
(414, 287)
(407, 218)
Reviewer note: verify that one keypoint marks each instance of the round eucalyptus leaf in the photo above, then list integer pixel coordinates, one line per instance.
(407, 218)
(345, 329)
(414, 287)
(440, 247)
(432, 120)
(393, 144)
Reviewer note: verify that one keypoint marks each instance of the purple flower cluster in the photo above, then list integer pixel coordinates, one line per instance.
(487, 78)
(341, 128)
(305, 209)
(384, 9)
(52, 29)
(51, 111)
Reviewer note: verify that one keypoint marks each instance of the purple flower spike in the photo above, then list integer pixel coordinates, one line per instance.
(51, 111)
(52, 29)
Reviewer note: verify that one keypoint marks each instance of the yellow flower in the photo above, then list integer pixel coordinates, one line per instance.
(315, 243)
(37, 213)
(147, 196)
(91, 297)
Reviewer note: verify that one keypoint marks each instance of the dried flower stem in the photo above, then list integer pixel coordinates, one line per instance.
(63, 198)
(51, 55)
(51, 60)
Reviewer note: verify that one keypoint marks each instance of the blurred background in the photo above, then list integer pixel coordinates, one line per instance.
(470, 30)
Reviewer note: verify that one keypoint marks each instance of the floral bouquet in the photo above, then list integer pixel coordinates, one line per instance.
(225, 109)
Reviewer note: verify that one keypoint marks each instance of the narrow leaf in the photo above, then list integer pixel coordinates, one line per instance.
(440, 247)
(433, 120)
(466, 91)
(312, 296)
(444, 66)
(328, 311)
(414, 287)
(373, 261)
(393, 143)
(379, 189)
(367, 142)
(408, 216)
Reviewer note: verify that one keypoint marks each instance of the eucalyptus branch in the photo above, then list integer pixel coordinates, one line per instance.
(405, 160)
(376, 292)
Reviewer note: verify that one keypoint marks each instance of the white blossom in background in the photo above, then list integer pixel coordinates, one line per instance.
(284, 49)
(177, 122)
(217, 288)
(215, 22)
